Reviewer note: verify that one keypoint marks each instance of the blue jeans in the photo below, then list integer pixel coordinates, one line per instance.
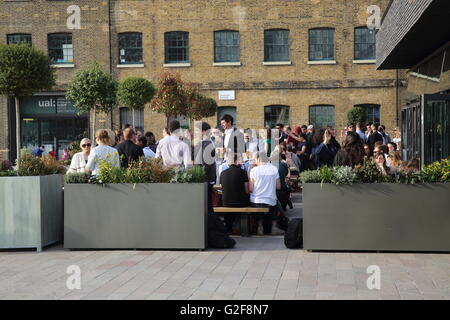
(267, 217)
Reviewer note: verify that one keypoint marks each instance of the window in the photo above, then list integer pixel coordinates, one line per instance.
(126, 117)
(321, 116)
(321, 44)
(275, 114)
(18, 38)
(176, 47)
(226, 46)
(60, 48)
(364, 43)
(372, 112)
(276, 45)
(130, 48)
(221, 111)
(431, 68)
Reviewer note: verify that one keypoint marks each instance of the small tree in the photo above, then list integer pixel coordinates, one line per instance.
(170, 98)
(93, 89)
(135, 93)
(356, 115)
(177, 98)
(23, 71)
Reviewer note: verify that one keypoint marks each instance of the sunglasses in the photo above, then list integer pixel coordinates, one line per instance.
(85, 145)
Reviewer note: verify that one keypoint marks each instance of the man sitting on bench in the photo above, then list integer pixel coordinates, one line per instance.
(263, 184)
(235, 192)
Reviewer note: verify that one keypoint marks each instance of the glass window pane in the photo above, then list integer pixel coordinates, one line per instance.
(364, 44)
(60, 48)
(321, 44)
(130, 48)
(18, 38)
(176, 47)
(276, 114)
(276, 45)
(321, 116)
(226, 46)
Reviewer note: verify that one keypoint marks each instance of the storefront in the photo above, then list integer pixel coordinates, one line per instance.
(50, 121)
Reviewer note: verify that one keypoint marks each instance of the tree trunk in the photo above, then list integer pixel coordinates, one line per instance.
(17, 129)
(132, 113)
(93, 124)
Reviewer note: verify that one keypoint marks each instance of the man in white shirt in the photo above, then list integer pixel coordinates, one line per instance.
(172, 150)
(263, 184)
(233, 140)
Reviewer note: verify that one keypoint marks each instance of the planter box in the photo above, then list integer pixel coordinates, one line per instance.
(31, 211)
(379, 217)
(140, 216)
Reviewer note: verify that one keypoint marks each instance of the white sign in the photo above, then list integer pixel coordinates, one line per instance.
(226, 95)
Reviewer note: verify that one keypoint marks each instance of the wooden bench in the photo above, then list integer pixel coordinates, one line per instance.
(244, 215)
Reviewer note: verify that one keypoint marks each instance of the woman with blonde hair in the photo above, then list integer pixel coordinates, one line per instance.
(394, 161)
(80, 159)
(102, 152)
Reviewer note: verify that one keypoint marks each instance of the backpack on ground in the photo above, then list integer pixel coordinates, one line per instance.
(293, 237)
(217, 234)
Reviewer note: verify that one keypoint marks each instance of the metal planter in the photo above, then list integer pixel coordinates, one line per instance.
(140, 216)
(31, 211)
(377, 217)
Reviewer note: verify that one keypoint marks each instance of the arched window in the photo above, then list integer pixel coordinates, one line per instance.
(226, 46)
(130, 48)
(176, 46)
(364, 43)
(15, 38)
(321, 44)
(322, 116)
(126, 117)
(276, 45)
(276, 114)
(60, 48)
(372, 112)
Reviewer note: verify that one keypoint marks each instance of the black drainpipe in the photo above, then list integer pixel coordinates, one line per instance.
(110, 55)
(397, 103)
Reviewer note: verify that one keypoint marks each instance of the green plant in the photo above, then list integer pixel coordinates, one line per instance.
(438, 171)
(194, 174)
(368, 172)
(109, 174)
(23, 71)
(135, 93)
(410, 177)
(5, 165)
(343, 175)
(77, 178)
(159, 173)
(93, 89)
(8, 173)
(310, 176)
(29, 165)
(356, 114)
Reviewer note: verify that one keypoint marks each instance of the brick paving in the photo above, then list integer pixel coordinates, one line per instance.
(257, 268)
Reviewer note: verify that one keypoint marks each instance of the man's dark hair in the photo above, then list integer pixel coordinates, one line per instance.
(227, 118)
(205, 126)
(174, 125)
(142, 139)
(279, 125)
(377, 125)
(304, 127)
(359, 124)
(127, 125)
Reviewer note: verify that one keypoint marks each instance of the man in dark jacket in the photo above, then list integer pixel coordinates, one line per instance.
(374, 136)
(128, 150)
(205, 155)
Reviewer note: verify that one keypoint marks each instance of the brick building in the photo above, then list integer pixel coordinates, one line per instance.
(264, 61)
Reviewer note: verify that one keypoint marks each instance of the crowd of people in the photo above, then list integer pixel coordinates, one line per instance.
(252, 168)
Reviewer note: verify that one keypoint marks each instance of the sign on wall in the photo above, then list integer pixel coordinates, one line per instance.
(46, 105)
(227, 95)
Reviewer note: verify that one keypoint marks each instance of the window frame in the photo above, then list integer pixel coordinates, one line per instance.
(310, 44)
(167, 47)
(62, 49)
(141, 48)
(355, 44)
(278, 120)
(312, 107)
(228, 47)
(366, 106)
(19, 34)
(279, 45)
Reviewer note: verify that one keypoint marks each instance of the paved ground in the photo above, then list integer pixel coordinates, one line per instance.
(257, 268)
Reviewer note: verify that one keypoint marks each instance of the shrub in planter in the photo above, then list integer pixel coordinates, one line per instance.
(356, 114)
(29, 165)
(192, 175)
(438, 171)
(343, 175)
(78, 177)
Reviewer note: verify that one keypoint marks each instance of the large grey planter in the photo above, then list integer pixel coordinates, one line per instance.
(378, 217)
(141, 216)
(31, 211)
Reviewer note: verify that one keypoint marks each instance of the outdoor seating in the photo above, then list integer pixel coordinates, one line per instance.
(245, 216)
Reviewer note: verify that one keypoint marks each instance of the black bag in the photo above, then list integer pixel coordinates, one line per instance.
(293, 237)
(217, 235)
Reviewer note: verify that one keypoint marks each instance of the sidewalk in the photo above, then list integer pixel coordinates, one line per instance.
(257, 268)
